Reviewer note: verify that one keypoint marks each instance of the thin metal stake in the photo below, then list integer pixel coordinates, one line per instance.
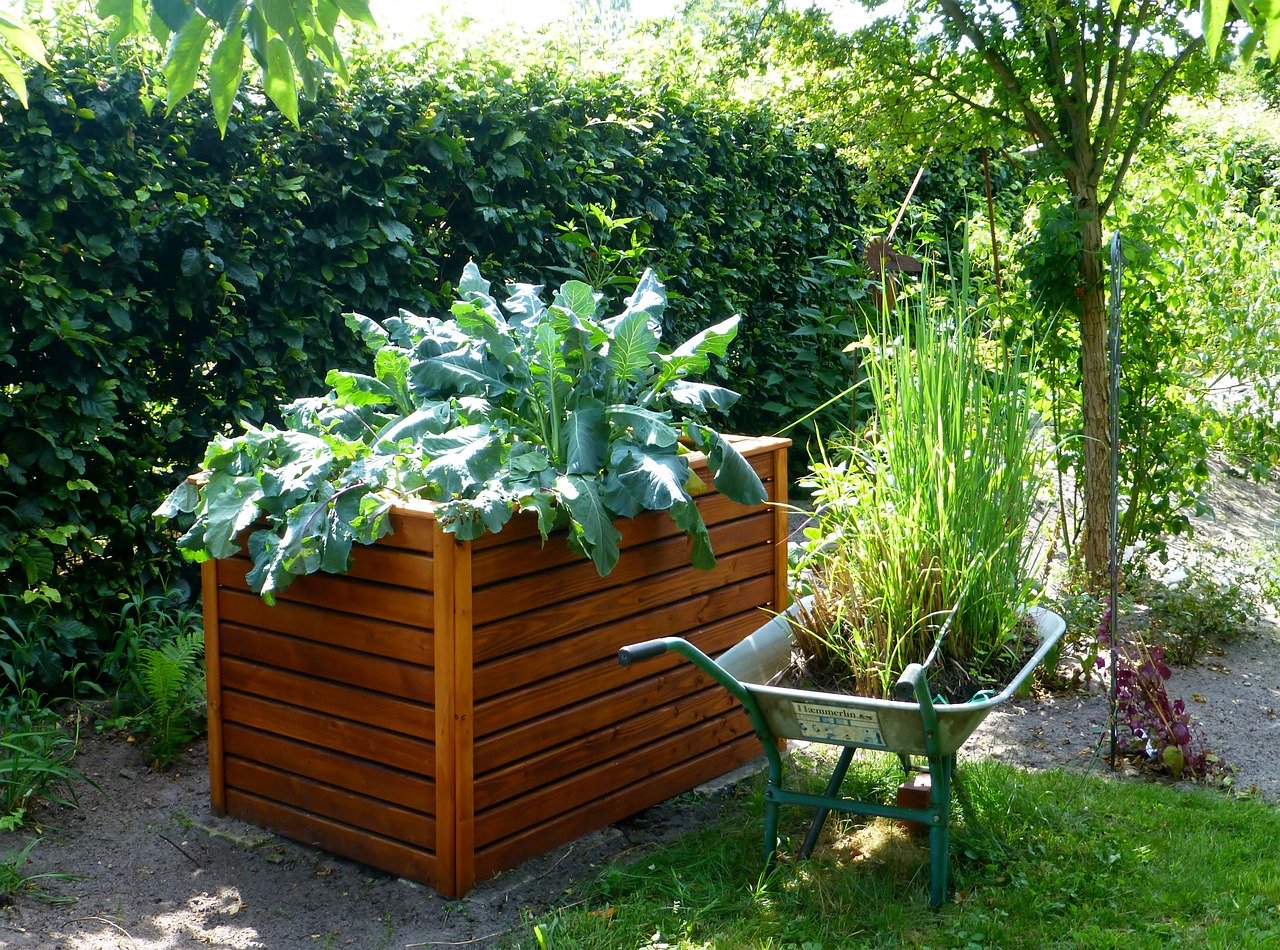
(1117, 265)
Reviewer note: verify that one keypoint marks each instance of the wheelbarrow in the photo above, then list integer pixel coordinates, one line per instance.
(912, 725)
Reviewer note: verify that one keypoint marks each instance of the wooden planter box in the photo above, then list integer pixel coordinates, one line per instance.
(447, 710)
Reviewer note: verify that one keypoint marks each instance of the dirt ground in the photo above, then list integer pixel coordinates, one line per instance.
(154, 869)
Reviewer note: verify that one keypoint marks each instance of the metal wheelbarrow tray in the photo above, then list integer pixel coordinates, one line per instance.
(911, 724)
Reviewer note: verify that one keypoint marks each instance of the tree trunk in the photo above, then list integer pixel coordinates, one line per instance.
(1095, 376)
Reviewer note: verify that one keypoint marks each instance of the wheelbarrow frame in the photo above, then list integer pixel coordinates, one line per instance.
(910, 725)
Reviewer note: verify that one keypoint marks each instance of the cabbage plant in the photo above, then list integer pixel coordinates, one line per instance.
(544, 408)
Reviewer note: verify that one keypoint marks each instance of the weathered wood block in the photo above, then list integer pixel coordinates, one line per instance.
(447, 710)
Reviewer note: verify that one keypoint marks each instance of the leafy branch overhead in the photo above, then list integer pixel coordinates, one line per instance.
(293, 43)
(549, 409)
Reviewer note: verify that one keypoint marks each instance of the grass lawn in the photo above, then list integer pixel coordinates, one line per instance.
(1050, 859)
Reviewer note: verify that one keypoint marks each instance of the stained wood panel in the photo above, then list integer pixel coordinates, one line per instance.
(613, 806)
(447, 709)
(417, 864)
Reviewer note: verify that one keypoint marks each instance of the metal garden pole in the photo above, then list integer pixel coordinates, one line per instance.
(1117, 264)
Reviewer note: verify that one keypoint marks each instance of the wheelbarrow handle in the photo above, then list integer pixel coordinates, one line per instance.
(905, 689)
(642, 651)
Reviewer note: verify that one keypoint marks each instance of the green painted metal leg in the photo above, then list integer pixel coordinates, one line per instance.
(833, 788)
(940, 830)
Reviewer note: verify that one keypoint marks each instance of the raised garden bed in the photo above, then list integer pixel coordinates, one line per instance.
(446, 710)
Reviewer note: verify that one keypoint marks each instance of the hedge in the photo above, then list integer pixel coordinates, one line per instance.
(161, 283)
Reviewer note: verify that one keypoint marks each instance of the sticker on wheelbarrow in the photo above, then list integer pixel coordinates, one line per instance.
(838, 724)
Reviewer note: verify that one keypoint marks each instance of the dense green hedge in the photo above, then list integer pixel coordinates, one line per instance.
(160, 283)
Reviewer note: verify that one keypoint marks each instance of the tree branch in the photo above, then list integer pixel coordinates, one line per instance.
(1158, 97)
(1036, 123)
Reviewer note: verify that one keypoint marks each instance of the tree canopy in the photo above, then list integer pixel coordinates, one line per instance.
(292, 42)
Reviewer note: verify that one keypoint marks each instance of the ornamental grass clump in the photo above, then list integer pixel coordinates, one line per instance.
(926, 518)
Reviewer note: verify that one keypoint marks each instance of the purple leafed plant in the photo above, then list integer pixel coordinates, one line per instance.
(1160, 729)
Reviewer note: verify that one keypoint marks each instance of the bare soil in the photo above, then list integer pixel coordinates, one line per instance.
(151, 868)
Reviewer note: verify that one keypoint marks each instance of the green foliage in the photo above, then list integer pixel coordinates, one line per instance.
(929, 515)
(14, 881)
(170, 678)
(1201, 602)
(164, 283)
(554, 410)
(35, 757)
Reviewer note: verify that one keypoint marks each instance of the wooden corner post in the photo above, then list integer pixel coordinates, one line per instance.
(781, 529)
(213, 686)
(455, 728)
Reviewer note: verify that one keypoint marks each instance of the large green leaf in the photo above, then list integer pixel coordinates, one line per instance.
(226, 71)
(713, 341)
(701, 396)
(182, 500)
(1213, 18)
(20, 37)
(357, 10)
(688, 519)
(586, 438)
(656, 482)
(578, 298)
(464, 469)
(643, 426)
(12, 73)
(356, 389)
(633, 343)
(427, 420)
(731, 473)
(592, 531)
(460, 371)
(230, 506)
(279, 79)
(182, 63)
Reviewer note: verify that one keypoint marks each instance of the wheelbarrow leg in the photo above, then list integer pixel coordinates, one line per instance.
(833, 789)
(940, 830)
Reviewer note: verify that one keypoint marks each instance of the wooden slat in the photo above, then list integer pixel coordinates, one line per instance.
(551, 623)
(399, 824)
(332, 768)
(392, 856)
(613, 806)
(556, 798)
(557, 661)
(570, 582)
(562, 725)
(511, 556)
(396, 641)
(213, 685)
(348, 702)
(340, 593)
(389, 565)
(413, 528)
(454, 718)
(781, 530)
(589, 749)
(332, 663)
(351, 738)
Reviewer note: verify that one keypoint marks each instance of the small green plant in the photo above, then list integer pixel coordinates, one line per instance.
(595, 238)
(1204, 601)
(170, 678)
(548, 409)
(35, 758)
(14, 881)
(929, 513)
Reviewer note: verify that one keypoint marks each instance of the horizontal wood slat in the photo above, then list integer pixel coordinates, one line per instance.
(350, 738)
(569, 582)
(671, 686)
(399, 824)
(714, 617)
(413, 528)
(342, 771)
(332, 663)
(551, 623)
(517, 557)
(395, 641)
(339, 592)
(348, 702)
(405, 860)
(613, 806)
(556, 798)
(582, 749)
